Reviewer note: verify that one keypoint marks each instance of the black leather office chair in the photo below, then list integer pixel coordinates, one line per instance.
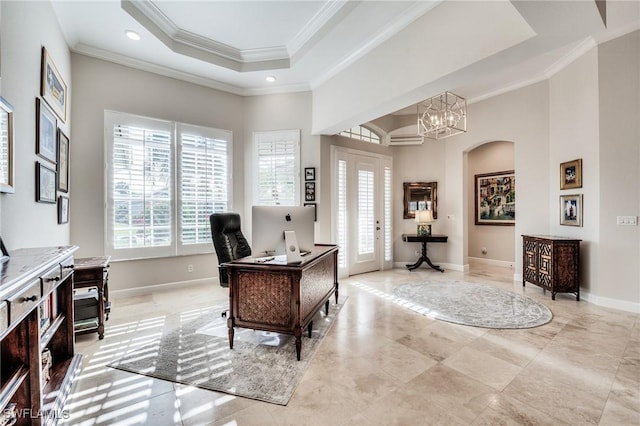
(228, 241)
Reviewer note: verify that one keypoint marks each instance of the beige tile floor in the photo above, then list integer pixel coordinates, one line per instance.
(382, 364)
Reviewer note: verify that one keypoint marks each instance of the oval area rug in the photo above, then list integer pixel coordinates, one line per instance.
(473, 304)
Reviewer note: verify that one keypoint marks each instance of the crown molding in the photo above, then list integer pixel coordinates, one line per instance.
(189, 44)
(321, 21)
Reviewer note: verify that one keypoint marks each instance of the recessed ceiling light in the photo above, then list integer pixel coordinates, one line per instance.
(132, 35)
(270, 78)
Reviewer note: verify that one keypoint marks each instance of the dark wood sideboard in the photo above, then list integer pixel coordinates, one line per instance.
(37, 346)
(552, 263)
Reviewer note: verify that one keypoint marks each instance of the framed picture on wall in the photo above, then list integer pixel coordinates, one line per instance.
(63, 162)
(309, 191)
(495, 198)
(53, 89)
(63, 209)
(46, 132)
(6, 146)
(309, 173)
(571, 174)
(571, 210)
(45, 184)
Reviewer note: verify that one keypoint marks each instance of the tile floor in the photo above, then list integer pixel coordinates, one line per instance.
(382, 364)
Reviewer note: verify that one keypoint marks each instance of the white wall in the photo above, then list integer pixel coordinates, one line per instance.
(618, 275)
(573, 129)
(499, 241)
(101, 85)
(26, 27)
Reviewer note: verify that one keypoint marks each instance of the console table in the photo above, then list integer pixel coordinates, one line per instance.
(92, 272)
(269, 294)
(424, 239)
(37, 346)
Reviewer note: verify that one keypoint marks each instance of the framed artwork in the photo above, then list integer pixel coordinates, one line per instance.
(53, 89)
(571, 174)
(63, 162)
(309, 191)
(571, 210)
(309, 173)
(495, 198)
(63, 209)
(45, 184)
(315, 210)
(6, 146)
(46, 132)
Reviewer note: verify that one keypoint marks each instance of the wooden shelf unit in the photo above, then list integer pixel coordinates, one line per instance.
(30, 279)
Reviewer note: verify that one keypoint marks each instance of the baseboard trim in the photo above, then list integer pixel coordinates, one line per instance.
(141, 291)
(492, 262)
(607, 302)
(445, 266)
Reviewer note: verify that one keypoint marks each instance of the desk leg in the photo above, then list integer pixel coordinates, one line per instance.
(298, 333)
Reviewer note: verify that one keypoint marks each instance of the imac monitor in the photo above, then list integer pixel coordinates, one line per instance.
(270, 222)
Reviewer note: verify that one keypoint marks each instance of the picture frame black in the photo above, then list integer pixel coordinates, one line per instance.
(62, 166)
(315, 210)
(53, 89)
(6, 146)
(45, 184)
(63, 209)
(309, 191)
(495, 198)
(46, 132)
(309, 173)
(4, 255)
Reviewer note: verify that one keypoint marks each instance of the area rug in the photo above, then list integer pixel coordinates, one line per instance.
(260, 366)
(472, 304)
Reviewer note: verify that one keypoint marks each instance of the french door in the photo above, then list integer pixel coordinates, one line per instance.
(361, 222)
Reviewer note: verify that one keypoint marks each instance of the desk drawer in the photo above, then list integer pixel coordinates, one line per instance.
(23, 302)
(50, 280)
(4, 317)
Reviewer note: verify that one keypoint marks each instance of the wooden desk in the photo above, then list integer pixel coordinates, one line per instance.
(93, 272)
(277, 297)
(424, 239)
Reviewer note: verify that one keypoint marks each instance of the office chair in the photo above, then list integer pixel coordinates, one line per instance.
(228, 241)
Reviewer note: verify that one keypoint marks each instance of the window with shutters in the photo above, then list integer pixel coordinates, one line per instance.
(164, 179)
(277, 168)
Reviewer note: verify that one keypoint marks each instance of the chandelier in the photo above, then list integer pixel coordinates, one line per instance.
(442, 116)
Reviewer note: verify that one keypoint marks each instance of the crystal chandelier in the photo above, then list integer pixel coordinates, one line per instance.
(442, 116)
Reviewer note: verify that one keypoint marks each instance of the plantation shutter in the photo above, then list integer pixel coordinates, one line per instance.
(204, 182)
(277, 158)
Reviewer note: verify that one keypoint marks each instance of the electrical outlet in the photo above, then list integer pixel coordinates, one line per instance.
(451, 217)
(484, 250)
(189, 268)
(417, 253)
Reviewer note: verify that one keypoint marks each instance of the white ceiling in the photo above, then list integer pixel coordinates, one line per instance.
(235, 45)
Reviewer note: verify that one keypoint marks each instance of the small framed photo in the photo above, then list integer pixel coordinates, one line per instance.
(6, 146)
(45, 184)
(571, 210)
(46, 132)
(315, 210)
(63, 162)
(63, 209)
(571, 174)
(309, 173)
(309, 191)
(4, 253)
(53, 89)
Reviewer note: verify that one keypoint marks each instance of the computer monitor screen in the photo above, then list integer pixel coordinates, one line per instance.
(270, 222)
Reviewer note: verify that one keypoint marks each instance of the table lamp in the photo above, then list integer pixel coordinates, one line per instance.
(424, 218)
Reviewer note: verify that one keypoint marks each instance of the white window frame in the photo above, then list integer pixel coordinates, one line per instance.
(175, 248)
(269, 137)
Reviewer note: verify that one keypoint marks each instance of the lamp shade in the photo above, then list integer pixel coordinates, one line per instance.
(424, 216)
